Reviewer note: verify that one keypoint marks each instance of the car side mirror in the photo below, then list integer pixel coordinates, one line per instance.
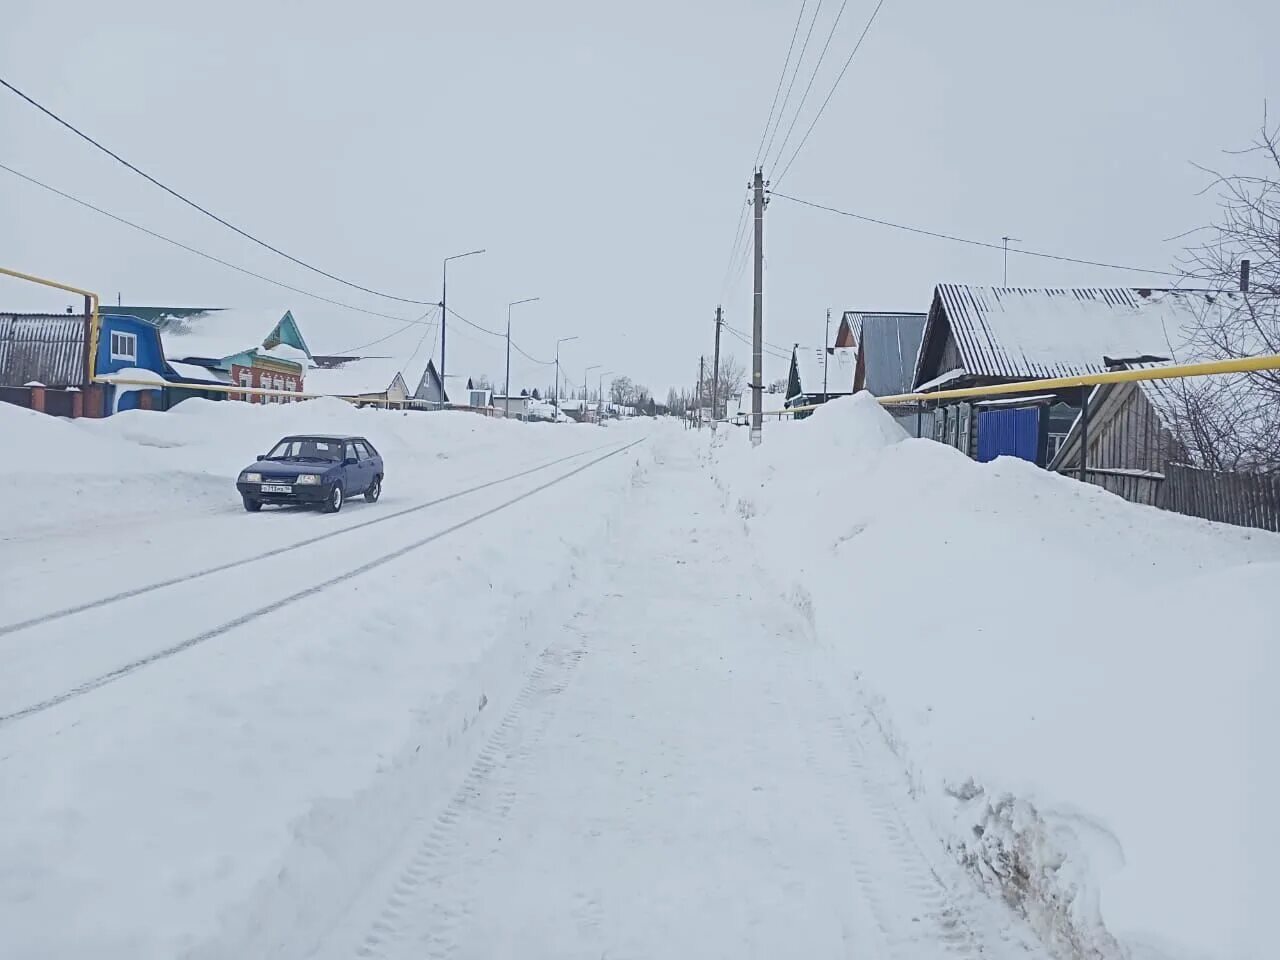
(262, 456)
(350, 462)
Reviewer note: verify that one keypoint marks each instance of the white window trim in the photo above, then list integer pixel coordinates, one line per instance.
(124, 338)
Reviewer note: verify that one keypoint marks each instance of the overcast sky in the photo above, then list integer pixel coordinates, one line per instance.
(600, 152)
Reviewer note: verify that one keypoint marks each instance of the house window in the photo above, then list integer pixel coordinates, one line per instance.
(124, 346)
(1055, 444)
(246, 380)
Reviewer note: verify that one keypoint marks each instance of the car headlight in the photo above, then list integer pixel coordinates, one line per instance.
(308, 478)
(251, 477)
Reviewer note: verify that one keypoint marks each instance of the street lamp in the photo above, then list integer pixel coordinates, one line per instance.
(556, 398)
(507, 388)
(444, 302)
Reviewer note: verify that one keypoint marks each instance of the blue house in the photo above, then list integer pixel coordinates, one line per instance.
(128, 344)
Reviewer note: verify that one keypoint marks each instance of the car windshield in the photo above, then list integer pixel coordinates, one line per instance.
(306, 448)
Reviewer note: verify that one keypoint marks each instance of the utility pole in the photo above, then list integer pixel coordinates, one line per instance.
(715, 372)
(757, 309)
(825, 354)
(702, 365)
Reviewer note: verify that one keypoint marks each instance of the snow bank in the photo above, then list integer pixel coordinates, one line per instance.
(148, 464)
(1081, 690)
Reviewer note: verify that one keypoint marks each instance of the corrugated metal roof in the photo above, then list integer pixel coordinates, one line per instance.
(857, 318)
(890, 343)
(48, 348)
(1024, 333)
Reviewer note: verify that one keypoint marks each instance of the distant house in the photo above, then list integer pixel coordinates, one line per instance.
(819, 374)
(430, 390)
(374, 381)
(461, 393)
(262, 350)
(978, 336)
(517, 408)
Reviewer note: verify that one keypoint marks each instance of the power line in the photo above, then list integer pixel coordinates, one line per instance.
(408, 324)
(974, 243)
(781, 77)
(258, 276)
(766, 349)
(812, 77)
(498, 333)
(818, 116)
(199, 253)
(790, 86)
(195, 206)
(782, 349)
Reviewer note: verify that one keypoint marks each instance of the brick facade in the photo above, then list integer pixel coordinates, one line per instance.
(264, 379)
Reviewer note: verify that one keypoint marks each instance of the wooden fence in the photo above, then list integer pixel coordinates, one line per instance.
(1244, 499)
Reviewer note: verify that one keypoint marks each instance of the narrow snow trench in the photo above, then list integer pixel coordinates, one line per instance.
(677, 779)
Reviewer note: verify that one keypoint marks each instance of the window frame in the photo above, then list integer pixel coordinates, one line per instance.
(124, 337)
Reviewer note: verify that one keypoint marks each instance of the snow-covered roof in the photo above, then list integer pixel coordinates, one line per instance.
(358, 378)
(192, 371)
(570, 403)
(941, 380)
(839, 366)
(1025, 333)
(456, 389)
(283, 351)
(218, 333)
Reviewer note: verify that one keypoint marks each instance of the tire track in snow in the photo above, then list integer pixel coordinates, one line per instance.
(9, 628)
(134, 665)
(427, 887)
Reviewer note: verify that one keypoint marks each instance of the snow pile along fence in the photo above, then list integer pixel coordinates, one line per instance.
(1078, 689)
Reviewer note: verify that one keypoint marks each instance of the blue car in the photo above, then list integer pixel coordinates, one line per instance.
(317, 470)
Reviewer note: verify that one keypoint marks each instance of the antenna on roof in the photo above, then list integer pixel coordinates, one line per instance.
(1006, 240)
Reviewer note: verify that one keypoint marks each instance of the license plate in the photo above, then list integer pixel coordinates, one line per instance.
(276, 488)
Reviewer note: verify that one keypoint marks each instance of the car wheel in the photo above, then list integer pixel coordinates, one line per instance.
(374, 491)
(334, 501)
(253, 506)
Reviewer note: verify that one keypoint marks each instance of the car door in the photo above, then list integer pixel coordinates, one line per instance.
(368, 462)
(369, 459)
(354, 469)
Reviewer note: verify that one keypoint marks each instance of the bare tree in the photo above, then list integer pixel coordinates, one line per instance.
(1233, 422)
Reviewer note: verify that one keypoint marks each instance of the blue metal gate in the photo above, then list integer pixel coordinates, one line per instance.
(1009, 433)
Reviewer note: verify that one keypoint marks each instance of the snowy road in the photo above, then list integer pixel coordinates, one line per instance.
(675, 779)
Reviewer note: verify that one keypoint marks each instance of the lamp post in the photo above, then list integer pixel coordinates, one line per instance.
(444, 301)
(507, 388)
(556, 398)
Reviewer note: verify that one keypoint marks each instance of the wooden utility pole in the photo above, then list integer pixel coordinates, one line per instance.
(702, 365)
(757, 309)
(715, 372)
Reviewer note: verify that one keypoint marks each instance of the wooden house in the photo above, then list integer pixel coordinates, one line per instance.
(978, 336)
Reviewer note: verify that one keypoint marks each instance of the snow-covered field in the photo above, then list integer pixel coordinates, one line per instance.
(1082, 691)
(648, 695)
